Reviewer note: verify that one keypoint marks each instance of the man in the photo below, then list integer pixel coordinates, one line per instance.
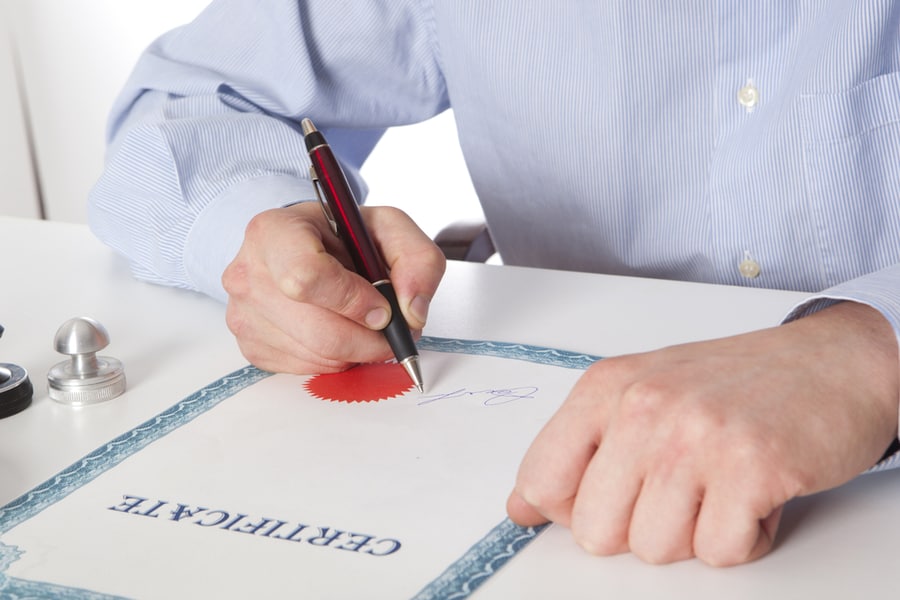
(735, 143)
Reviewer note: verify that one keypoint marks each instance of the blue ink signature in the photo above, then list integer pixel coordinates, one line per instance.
(493, 397)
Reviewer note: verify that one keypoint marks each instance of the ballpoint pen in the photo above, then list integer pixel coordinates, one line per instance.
(342, 213)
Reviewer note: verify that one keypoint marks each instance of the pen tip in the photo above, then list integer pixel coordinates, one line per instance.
(307, 126)
(411, 364)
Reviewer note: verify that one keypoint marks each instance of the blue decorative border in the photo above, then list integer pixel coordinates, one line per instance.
(13, 588)
(457, 582)
(535, 354)
(480, 562)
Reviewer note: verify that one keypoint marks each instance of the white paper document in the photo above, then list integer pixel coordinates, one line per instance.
(352, 485)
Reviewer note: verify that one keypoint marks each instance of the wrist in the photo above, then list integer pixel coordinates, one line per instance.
(870, 353)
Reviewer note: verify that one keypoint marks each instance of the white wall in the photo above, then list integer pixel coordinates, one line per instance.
(420, 169)
(75, 56)
(18, 196)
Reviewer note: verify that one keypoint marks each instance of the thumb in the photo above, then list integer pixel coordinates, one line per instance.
(416, 264)
(521, 513)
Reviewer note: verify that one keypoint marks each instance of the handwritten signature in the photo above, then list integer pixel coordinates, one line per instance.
(492, 397)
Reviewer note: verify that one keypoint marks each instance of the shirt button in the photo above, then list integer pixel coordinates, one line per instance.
(749, 268)
(748, 96)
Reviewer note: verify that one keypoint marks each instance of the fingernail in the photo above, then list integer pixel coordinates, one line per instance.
(419, 308)
(377, 318)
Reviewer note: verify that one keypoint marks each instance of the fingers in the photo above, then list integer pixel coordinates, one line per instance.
(552, 469)
(642, 490)
(415, 262)
(734, 528)
(294, 344)
(660, 525)
(630, 498)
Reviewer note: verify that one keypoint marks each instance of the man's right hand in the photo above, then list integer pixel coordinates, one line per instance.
(296, 305)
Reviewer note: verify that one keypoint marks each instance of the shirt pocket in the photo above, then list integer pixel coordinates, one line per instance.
(851, 147)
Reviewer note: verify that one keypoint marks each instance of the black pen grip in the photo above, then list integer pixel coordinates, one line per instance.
(397, 331)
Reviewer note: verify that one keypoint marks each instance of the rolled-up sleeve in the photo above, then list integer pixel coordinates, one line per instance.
(204, 135)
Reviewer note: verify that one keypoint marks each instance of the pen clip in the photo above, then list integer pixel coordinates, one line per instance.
(325, 209)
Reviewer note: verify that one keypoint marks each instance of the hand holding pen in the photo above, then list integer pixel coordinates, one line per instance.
(295, 302)
(342, 213)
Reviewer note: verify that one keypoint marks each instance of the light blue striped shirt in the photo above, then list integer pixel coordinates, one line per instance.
(655, 138)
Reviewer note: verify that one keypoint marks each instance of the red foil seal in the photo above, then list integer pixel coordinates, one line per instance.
(363, 383)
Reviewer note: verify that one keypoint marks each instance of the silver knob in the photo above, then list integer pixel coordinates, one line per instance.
(85, 378)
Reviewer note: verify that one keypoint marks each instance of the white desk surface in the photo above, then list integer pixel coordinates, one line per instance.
(173, 342)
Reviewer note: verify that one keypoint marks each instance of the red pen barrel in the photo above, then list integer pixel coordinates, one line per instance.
(345, 212)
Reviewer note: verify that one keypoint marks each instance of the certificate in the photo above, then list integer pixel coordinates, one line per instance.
(351, 485)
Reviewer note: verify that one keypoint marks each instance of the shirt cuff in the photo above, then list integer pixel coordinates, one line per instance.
(879, 289)
(218, 231)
